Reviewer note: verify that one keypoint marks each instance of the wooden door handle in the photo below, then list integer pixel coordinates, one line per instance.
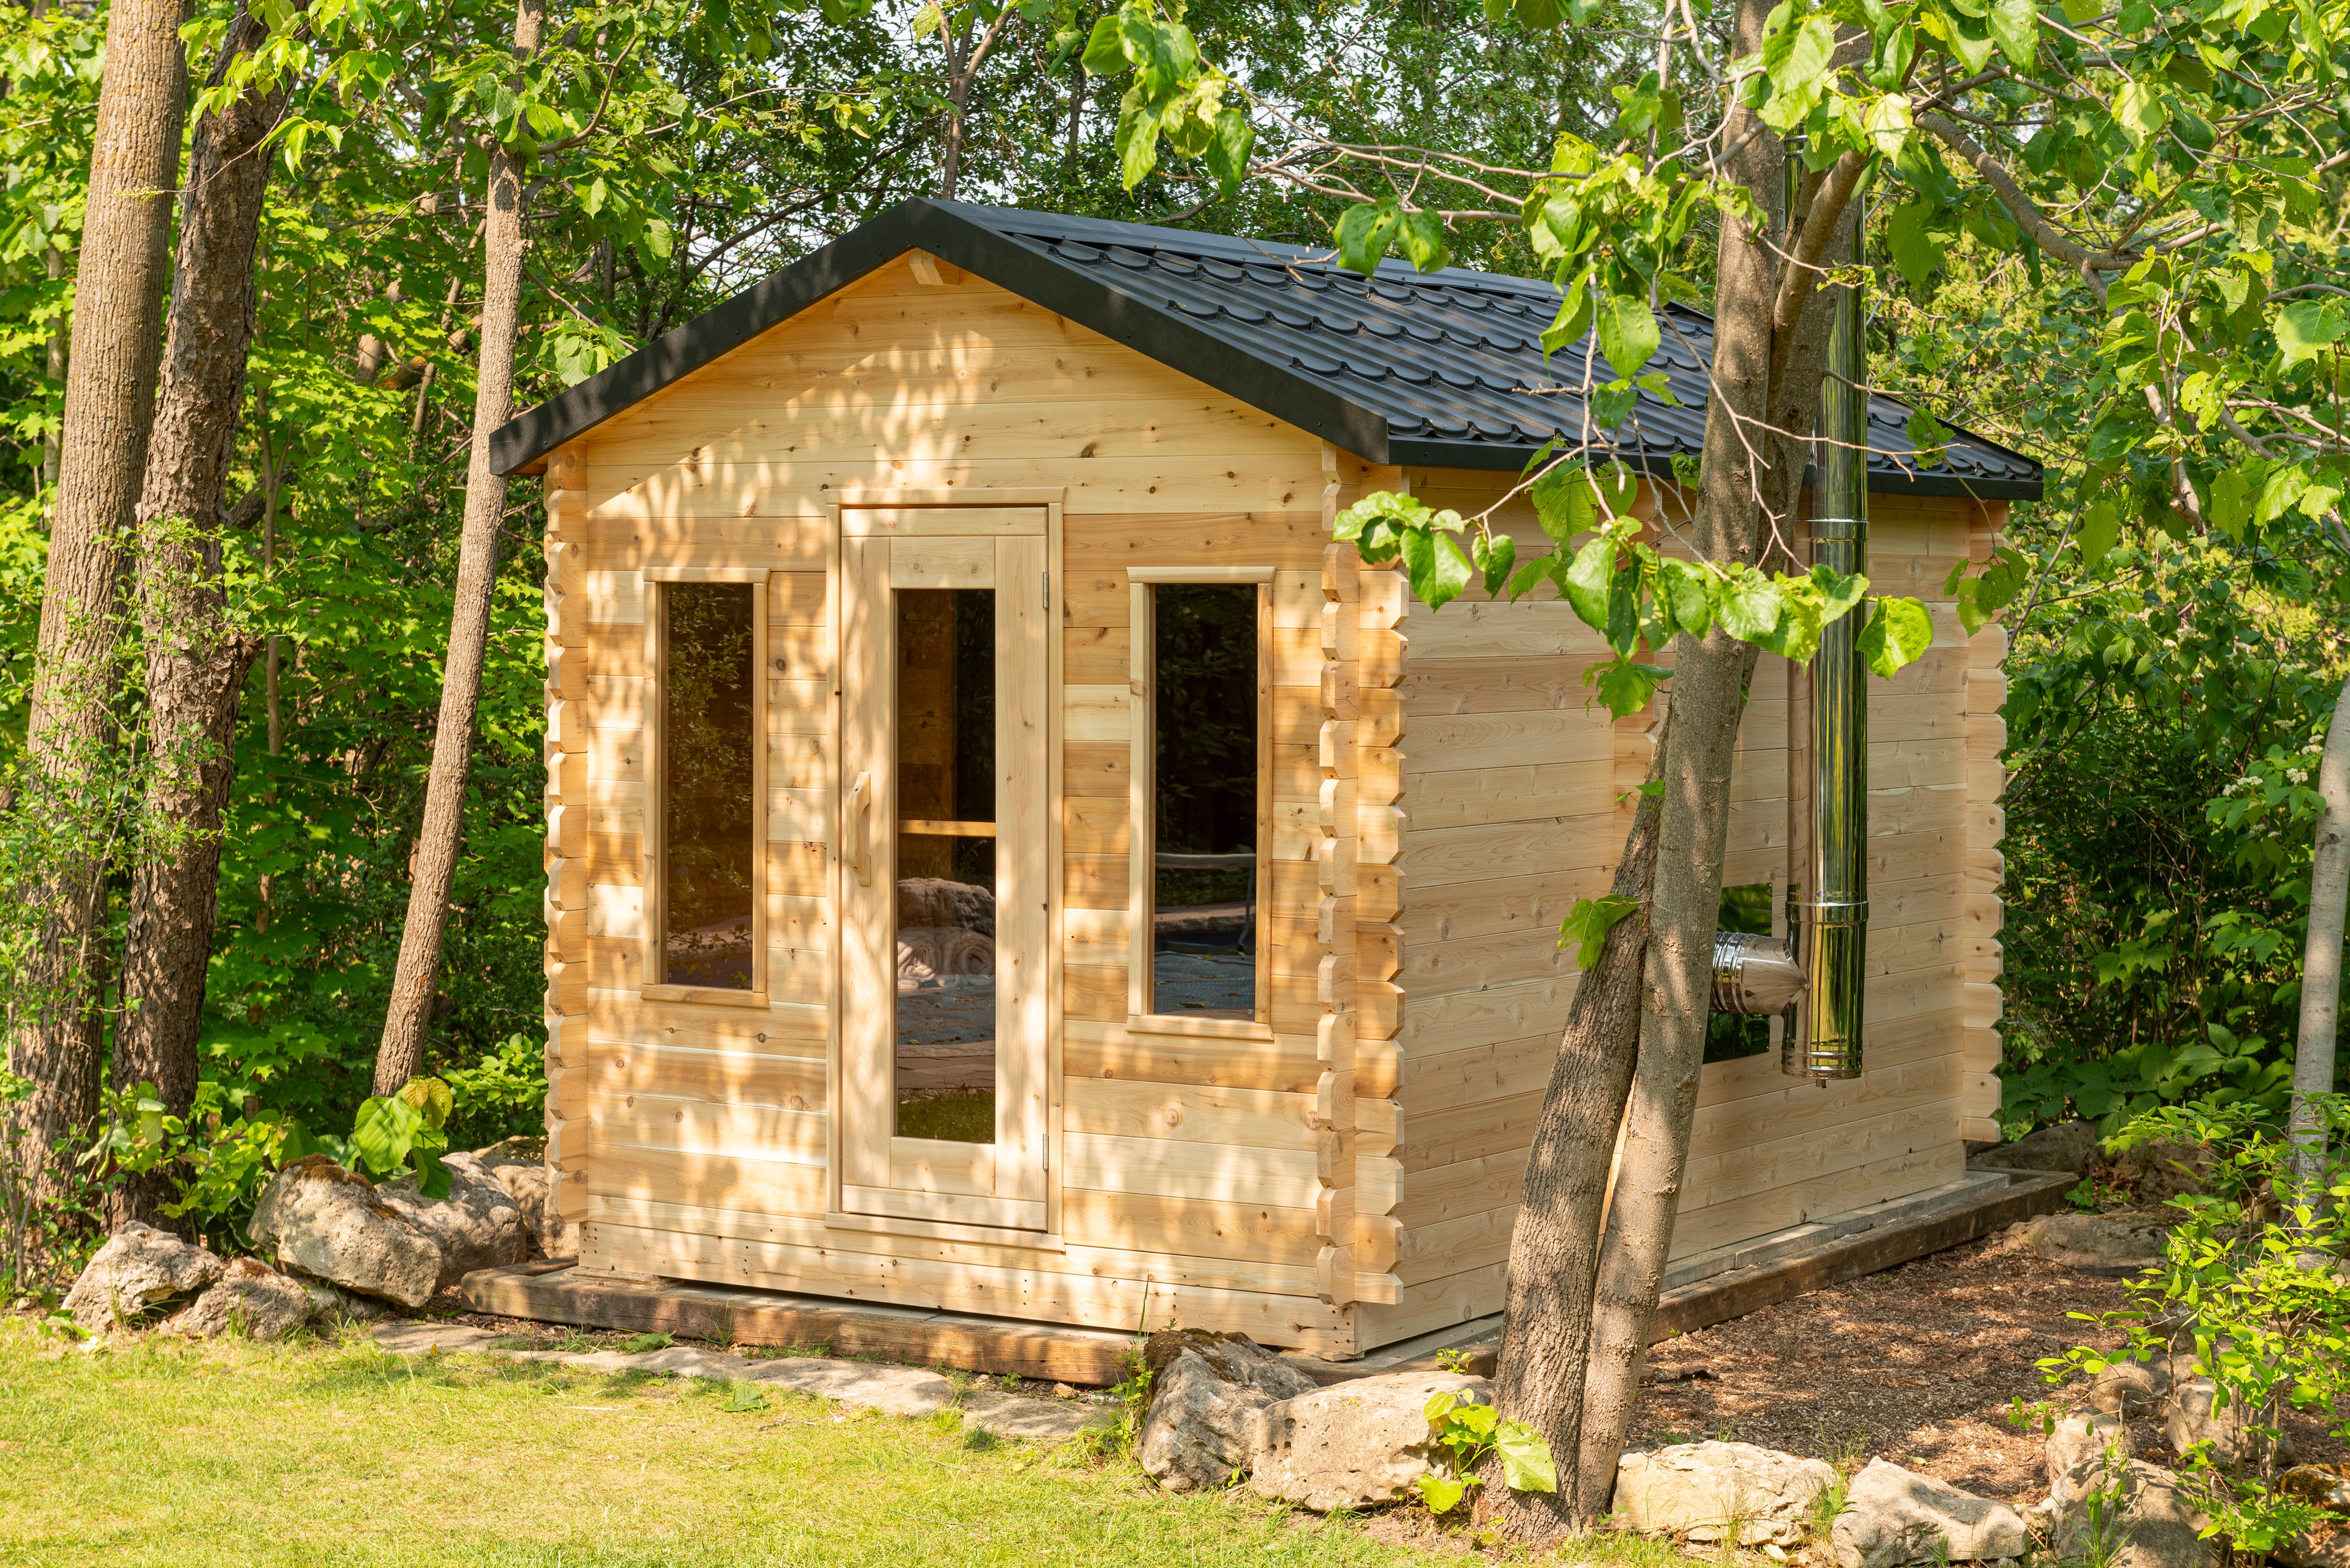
(852, 829)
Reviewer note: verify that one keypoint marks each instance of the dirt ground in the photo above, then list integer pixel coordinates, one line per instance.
(1919, 1364)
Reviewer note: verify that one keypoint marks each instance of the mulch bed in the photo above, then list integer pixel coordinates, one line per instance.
(1919, 1364)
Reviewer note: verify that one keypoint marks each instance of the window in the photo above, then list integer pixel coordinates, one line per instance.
(1202, 820)
(706, 815)
(946, 864)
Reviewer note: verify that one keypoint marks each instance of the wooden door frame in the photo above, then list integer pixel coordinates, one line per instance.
(952, 513)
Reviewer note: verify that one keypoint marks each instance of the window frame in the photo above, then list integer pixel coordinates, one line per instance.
(653, 987)
(1142, 814)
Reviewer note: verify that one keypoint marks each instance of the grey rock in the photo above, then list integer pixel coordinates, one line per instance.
(860, 1385)
(332, 1224)
(2137, 1520)
(434, 1338)
(2192, 1415)
(478, 1225)
(332, 1304)
(2326, 1544)
(1895, 1516)
(935, 902)
(2130, 1387)
(1361, 1442)
(523, 1148)
(2155, 1172)
(251, 1299)
(2123, 1240)
(1208, 1393)
(1694, 1491)
(531, 1185)
(2084, 1451)
(138, 1267)
(2066, 1145)
(1031, 1420)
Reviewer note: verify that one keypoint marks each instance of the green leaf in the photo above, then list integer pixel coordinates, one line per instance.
(1928, 440)
(2306, 327)
(1795, 57)
(382, 1133)
(1573, 320)
(1422, 238)
(1913, 251)
(1972, 615)
(1749, 608)
(1898, 633)
(742, 1399)
(2098, 533)
(1105, 49)
(1628, 334)
(431, 1098)
(1228, 154)
(1587, 924)
(1682, 587)
(1438, 569)
(2138, 112)
(1837, 593)
(2016, 28)
(1441, 1493)
(1588, 581)
(432, 1176)
(1494, 558)
(1364, 232)
(1625, 687)
(1526, 1462)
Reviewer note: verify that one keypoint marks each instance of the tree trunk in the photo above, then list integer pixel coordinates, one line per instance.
(1555, 1245)
(959, 69)
(196, 662)
(401, 1053)
(1736, 494)
(2320, 964)
(56, 1030)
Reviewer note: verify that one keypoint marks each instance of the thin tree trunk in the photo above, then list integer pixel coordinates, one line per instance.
(401, 1053)
(1555, 1245)
(2320, 964)
(196, 661)
(50, 449)
(959, 74)
(57, 1036)
(1748, 475)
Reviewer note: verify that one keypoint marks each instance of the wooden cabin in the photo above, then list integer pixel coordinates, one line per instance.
(1003, 858)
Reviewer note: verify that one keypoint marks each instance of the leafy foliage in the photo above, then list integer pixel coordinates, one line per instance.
(1467, 1431)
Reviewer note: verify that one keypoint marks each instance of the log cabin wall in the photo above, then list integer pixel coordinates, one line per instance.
(1189, 1174)
(1514, 794)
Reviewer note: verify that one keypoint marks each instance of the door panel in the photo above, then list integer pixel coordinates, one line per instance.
(946, 893)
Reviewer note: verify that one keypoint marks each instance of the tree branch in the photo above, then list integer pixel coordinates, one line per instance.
(2023, 210)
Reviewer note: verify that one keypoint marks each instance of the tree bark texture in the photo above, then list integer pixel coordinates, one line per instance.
(1758, 424)
(57, 1033)
(2320, 964)
(401, 1053)
(196, 660)
(1555, 1245)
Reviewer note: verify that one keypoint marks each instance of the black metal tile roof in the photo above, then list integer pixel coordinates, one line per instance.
(1443, 369)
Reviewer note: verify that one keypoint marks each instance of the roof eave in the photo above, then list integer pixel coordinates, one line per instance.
(1499, 458)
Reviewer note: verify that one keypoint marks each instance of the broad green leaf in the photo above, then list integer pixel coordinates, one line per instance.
(1434, 563)
(1587, 924)
(2016, 28)
(1588, 581)
(1899, 632)
(1913, 251)
(1798, 634)
(1793, 58)
(1928, 440)
(1628, 334)
(1364, 232)
(2306, 327)
(2138, 110)
(1441, 1493)
(1532, 572)
(1136, 141)
(1887, 122)
(1562, 499)
(431, 1098)
(432, 1176)
(1682, 587)
(2098, 533)
(1526, 1462)
(1228, 154)
(1972, 615)
(1748, 607)
(1422, 235)
(1626, 686)
(1573, 320)
(1106, 48)
(382, 1134)
(1493, 559)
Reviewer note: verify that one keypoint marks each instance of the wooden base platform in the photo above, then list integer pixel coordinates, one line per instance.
(1753, 1275)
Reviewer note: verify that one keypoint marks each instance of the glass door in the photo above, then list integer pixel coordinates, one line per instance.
(943, 866)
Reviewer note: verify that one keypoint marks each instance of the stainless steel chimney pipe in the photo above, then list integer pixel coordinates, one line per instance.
(1834, 941)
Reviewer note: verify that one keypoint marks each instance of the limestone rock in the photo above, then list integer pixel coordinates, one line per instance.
(2066, 1145)
(1208, 1393)
(1033, 1421)
(2084, 1452)
(2327, 1544)
(2155, 1172)
(332, 1224)
(2192, 1415)
(139, 1267)
(478, 1225)
(1895, 1516)
(1693, 1491)
(1361, 1442)
(523, 1148)
(2138, 1521)
(2130, 1387)
(332, 1304)
(252, 1300)
(531, 1185)
(2123, 1240)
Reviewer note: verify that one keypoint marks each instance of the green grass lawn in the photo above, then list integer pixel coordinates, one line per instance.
(341, 1456)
